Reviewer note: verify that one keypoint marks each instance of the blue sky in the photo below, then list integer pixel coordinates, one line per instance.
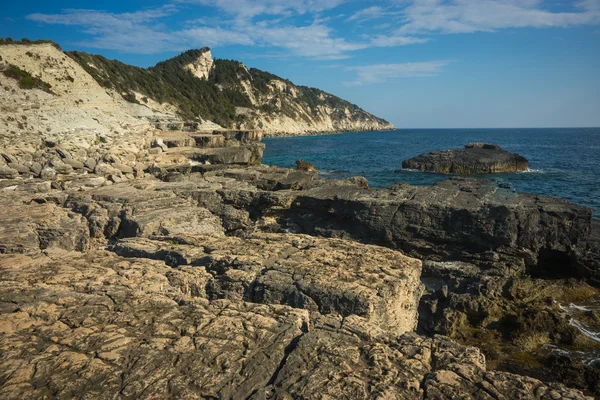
(417, 63)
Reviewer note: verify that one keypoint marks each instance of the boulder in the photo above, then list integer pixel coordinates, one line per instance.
(475, 158)
(28, 227)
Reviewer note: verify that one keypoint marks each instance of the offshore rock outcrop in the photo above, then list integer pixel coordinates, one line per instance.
(475, 158)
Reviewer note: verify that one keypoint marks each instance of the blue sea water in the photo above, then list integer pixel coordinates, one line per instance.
(563, 162)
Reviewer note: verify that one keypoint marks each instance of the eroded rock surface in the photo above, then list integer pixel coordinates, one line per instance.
(173, 279)
(328, 276)
(98, 325)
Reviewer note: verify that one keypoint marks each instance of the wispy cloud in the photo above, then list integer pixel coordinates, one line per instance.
(253, 8)
(386, 72)
(396, 40)
(373, 12)
(468, 16)
(137, 32)
(141, 32)
(299, 28)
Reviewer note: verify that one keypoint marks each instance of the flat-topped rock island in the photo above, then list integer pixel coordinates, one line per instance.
(475, 158)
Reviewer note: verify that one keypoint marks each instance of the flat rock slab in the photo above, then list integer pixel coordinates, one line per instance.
(341, 362)
(100, 326)
(450, 219)
(28, 226)
(243, 154)
(127, 210)
(323, 275)
(475, 158)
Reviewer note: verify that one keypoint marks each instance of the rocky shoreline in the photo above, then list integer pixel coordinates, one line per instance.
(177, 266)
(324, 132)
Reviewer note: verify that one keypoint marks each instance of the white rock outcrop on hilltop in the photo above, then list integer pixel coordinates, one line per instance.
(202, 67)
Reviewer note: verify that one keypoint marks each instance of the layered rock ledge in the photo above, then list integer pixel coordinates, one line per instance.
(475, 158)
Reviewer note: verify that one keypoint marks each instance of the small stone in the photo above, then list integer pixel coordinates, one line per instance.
(74, 163)
(130, 158)
(80, 153)
(8, 173)
(8, 158)
(116, 178)
(126, 169)
(90, 163)
(62, 153)
(26, 158)
(63, 168)
(56, 185)
(22, 169)
(154, 151)
(103, 168)
(48, 173)
(36, 168)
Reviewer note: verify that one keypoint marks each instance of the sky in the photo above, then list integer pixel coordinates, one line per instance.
(416, 63)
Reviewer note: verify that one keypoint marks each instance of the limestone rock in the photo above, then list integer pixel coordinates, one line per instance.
(305, 166)
(48, 173)
(22, 169)
(7, 172)
(28, 227)
(90, 163)
(36, 168)
(324, 275)
(76, 164)
(62, 167)
(101, 327)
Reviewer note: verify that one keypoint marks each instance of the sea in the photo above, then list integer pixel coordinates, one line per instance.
(563, 162)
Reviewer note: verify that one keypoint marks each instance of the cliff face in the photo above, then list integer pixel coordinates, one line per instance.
(229, 94)
(74, 110)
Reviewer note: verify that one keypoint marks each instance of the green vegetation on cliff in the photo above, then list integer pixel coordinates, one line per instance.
(25, 79)
(217, 97)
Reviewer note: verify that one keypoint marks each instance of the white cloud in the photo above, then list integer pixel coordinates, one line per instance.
(141, 32)
(396, 40)
(373, 12)
(253, 8)
(385, 72)
(400, 23)
(467, 16)
(137, 32)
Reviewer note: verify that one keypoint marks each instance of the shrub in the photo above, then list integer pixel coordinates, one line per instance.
(26, 81)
